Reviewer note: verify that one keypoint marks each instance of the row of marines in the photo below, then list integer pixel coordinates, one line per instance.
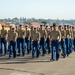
(38, 40)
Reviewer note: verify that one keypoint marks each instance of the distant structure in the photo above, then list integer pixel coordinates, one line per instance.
(7, 25)
(34, 24)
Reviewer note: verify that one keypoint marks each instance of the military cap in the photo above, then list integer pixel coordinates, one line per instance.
(64, 25)
(41, 24)
(17, 25)
(47, 25)
(10, 26)
(13, 27)
(20, 25)
(3, 25)
(60, 26)
(35, 27)
(68, 25)
(54, 24)
(26, 25)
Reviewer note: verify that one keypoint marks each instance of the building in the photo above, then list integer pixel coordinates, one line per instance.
(34, 24)
(7, 25)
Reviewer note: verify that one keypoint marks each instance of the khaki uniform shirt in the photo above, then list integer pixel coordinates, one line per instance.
(27, 34)
(55, 35)
(48, 33)
(43, 33)
(14, 36)
(9, 35)
(36, 36)
(32, 31)
(21, 33)
(0, 33)
(67, 33)
(16, 31)
(73, 33)
(4, 33)
(63, 34)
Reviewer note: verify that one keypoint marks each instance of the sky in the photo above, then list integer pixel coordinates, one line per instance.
(45, 9)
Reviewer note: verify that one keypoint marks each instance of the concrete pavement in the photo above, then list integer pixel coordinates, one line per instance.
(40, 66)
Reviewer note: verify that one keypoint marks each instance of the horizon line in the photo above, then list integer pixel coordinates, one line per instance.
(39, 18)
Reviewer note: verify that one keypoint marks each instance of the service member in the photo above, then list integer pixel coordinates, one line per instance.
(48, 38)
(55, 37)
(35, 41)
(63, 45)
(27, 38)
(16, 30)
(43, 35)
(67, 40)
(13, 43)
(21, 42)
(71, 39)
(3, 40)
(73, 28)
(9, 36)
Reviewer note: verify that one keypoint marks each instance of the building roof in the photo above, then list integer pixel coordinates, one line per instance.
(34, 24)
(2, 23)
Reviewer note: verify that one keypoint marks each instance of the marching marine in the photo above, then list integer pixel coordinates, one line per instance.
(35, 41)
(55, 37)
(13, 43)
(3, 40)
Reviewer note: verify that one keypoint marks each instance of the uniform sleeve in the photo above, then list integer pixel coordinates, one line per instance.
(51, 36)
(38, 37)
(6, 34)
(72, 35)
(32, 35)
(64, 34)
(59, 36)
(24, 34)
(29, 34)
(0, 33)
(45, 34)
(16, 36)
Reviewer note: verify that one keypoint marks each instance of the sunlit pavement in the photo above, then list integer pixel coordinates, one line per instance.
(37, 66)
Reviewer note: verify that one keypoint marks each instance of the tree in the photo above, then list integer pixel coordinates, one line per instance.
(44, 23)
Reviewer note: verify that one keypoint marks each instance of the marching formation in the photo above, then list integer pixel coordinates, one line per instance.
(53, 40)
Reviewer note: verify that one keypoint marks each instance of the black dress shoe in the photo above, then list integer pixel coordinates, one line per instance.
(23, 54)
(1, 55)
(10, 57)
(52, 60)
(18, 55)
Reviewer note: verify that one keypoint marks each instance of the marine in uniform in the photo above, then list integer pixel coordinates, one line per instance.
(9, 35)
(16, 30)
(31, 36)
(3, 40)
(43, 35)
(0, 39)
(21, 42)
(27, 38)
(67, 40)
(13, 42)
(71, 39)
(55, 37)
(63, 45)
(51, 28)
(48, 38)
(73, 28)
(35, 41)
